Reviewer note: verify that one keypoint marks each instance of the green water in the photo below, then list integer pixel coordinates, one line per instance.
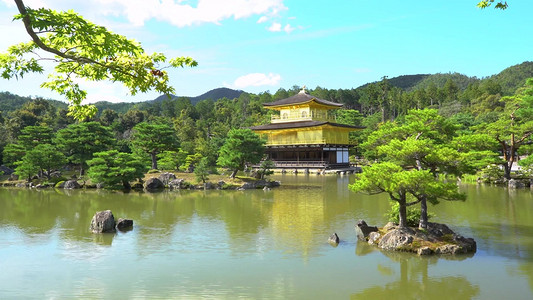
(255, 244)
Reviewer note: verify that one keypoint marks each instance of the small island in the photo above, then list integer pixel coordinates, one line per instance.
(435, 239)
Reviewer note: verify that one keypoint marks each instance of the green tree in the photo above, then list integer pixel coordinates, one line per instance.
(201, 171)
(191, 161)
(388, 178)
(171, 160)
(154, 138)
(514, 126)
(423, 141)
(13, 153)
(26, 168)
(80, 141)
(31, 136)
(43, 158)
(113, 167)
(84, 50)
(242, 147)
(265, 168)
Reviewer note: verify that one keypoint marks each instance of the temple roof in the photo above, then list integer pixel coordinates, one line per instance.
(290, 125)
(300, 98)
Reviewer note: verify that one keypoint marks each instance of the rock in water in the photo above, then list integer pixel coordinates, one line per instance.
(124, 224)
(103, 221)
(362, 230)
(71, 184)
(334, 239)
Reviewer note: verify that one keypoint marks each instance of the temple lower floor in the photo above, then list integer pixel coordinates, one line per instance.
(308, 156)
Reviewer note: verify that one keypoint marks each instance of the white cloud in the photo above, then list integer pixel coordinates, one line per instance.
(262, 19)
(275, 27)
(257, 79)
(181, 14)
(288, 28)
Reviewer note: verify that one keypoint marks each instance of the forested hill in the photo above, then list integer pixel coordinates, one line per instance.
(513, 77)
(505, 83)
(509, 79)
(10, 102)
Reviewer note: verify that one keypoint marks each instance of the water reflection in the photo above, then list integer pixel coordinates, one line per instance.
(414, 282)
(254, 244)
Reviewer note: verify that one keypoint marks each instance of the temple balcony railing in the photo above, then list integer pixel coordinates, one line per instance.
(290, 142)
(277, 119)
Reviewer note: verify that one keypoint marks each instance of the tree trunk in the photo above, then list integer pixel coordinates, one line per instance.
(507, 169)
(423, 213)
(234, 173)
(154, 160)
(126, 185)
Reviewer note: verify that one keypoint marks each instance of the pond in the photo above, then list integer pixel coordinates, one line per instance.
(255, 244)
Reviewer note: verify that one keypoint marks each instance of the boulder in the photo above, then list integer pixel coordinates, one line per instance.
(22, 185)
(176, 184)
(167, 177)
(103, 221)
(124, 224)
(397, 239)
(209, 186)
(272, 184)
(516, 184)
(153, 184)
(424, 251)
(71, 184)
(247, 186)
(438, 230)
(13, 177)
(333, 239)
(373, 237)
(362, 230)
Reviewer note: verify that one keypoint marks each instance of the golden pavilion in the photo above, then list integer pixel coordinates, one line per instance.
(305, 134)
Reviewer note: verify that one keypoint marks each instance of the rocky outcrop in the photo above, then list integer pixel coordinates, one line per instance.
(334, 239)
(518, 183)
(102, 222)
(259, 184)
(71, 184)
(362, 230)
(124, 224)
(397, 239)
(153, 184)
(436, 239)
(176, 184)
(166, 178)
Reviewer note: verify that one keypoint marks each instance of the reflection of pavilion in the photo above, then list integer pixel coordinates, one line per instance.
(294, 221)
(305, 134)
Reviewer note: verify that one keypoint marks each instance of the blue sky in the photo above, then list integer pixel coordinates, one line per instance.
(264, 45)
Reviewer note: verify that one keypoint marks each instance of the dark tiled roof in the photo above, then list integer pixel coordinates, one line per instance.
(301, 124)
(301, 97)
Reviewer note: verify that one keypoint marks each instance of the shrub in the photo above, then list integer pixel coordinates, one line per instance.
(413, 214)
